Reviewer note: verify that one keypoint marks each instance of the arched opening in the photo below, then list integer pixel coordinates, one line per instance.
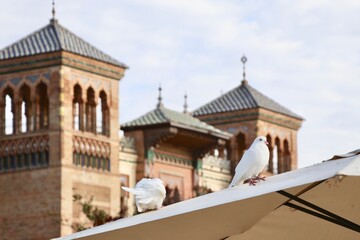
(76, 109)
(102, 115)
(8, 112)
(240, 141)
(9, 116)
(90, 111)
(25, 114)
(278, 156)
(271, 151)
(78, 114)
(42, 106)
(99, 118)
(24, 119)
(287, 156)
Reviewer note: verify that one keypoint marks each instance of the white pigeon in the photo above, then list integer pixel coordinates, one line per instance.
(252, 163)
(149, 194)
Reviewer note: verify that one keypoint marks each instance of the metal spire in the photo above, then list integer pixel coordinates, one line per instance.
(185, 103)
(53, 9)
(53, 20)
(160, 104)
(244, 60)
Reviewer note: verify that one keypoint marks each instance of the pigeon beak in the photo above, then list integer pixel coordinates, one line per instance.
(266, 142)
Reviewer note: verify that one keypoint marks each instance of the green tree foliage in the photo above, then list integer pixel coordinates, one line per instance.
(95, 215)
(201, 190)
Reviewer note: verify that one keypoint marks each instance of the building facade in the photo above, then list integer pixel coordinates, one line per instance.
(58, 132)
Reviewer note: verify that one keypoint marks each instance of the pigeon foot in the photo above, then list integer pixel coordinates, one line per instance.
(258, 178)
(251, 181)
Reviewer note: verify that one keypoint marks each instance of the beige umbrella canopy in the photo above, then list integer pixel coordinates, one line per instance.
(338, 217)
(318, 202)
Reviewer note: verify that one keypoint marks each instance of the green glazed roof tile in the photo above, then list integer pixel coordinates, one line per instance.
(162, 115)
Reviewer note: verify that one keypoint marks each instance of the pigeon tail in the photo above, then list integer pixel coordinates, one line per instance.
(235, 181)
(133, 191)
(141, 195)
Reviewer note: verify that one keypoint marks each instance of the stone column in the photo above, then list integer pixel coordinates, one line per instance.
(2, 116)
(18, 117)
(14, 111)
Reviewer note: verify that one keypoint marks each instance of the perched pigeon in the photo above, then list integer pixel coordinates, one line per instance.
(252, 163)
(149, 194)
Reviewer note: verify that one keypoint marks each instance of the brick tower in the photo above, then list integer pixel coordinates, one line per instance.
(58, 132)
(247, 113)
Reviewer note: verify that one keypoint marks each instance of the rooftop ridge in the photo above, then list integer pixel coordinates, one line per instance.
(162, 115)
(51, 38)
(242, 97)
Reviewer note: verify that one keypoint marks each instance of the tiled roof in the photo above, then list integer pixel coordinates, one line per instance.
(241, 98)
(51, 38)
(162, 115)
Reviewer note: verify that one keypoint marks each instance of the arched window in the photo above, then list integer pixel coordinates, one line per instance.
(42, 106)
(78, 114)
(25, 119)
(9, 116)
(287, 156)
(99, 118)
(275, 163)
(102, 115)
(7, 112)
(278, 159)
(90, 111)
(271, 151)
(240, 140)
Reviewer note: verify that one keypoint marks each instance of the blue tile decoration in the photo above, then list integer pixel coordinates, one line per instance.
(47, 75)
(15, 80)
(2, 82)
(33, 78)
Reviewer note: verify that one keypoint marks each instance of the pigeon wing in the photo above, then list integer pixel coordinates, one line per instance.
(244, 168)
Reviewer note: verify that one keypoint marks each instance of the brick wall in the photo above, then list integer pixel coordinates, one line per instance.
(30, 204)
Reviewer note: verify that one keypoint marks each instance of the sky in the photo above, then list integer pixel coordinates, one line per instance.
(305, 55)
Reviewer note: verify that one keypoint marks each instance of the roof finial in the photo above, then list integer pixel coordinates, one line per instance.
(185, 103)
(53, 9)
(53, 20)
(244, 60)
(160, 104)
